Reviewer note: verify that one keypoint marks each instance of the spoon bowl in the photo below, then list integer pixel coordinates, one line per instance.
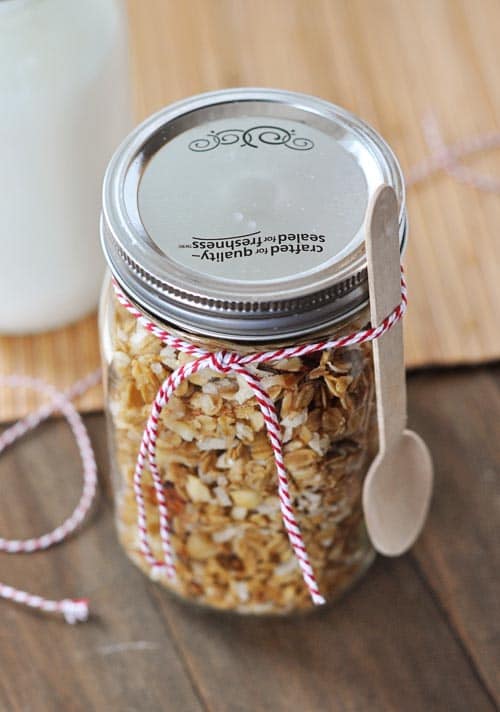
(397, 494)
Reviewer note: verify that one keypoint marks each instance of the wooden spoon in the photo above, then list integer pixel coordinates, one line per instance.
(398, 486)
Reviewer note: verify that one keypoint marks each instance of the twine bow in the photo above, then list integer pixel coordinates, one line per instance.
(230, 362)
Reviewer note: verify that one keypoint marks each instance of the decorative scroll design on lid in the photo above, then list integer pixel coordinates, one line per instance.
(253, 138)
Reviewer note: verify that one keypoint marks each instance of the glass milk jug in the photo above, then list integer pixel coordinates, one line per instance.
(64, 87)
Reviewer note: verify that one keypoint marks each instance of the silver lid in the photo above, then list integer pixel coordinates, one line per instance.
(240, 213)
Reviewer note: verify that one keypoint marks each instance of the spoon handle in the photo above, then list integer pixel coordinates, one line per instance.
(384, 278)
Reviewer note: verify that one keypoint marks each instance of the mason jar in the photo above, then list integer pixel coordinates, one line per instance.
(233, 226)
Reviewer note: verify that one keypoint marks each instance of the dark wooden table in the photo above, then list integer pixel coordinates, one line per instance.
(419, 634)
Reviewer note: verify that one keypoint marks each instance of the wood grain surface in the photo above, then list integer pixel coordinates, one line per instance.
(420, 633)
(389, 61)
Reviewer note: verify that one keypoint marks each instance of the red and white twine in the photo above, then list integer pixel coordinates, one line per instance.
(230, 362)
(73, 610)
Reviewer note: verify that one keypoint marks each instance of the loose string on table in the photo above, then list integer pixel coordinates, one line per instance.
(447, 157)
(72, 609)
(442, 157)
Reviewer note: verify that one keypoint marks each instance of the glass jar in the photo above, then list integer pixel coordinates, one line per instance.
(234, 221)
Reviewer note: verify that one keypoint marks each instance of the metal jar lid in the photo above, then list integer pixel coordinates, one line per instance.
(240, 213)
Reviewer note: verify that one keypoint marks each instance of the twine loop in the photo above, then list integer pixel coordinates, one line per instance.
(224, 361)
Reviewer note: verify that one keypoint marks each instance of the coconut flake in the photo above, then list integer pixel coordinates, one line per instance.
(241, 590)
(222, 496)
(270, 506)
(286, 567)
(226, 534)
(213, 444)
(239, 512)
(138, 337)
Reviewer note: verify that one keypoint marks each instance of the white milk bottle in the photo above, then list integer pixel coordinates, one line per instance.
(64, 106)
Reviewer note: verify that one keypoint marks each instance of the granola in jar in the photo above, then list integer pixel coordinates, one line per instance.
(269, 279)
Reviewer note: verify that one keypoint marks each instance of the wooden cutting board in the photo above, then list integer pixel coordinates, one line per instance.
(388, 61)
